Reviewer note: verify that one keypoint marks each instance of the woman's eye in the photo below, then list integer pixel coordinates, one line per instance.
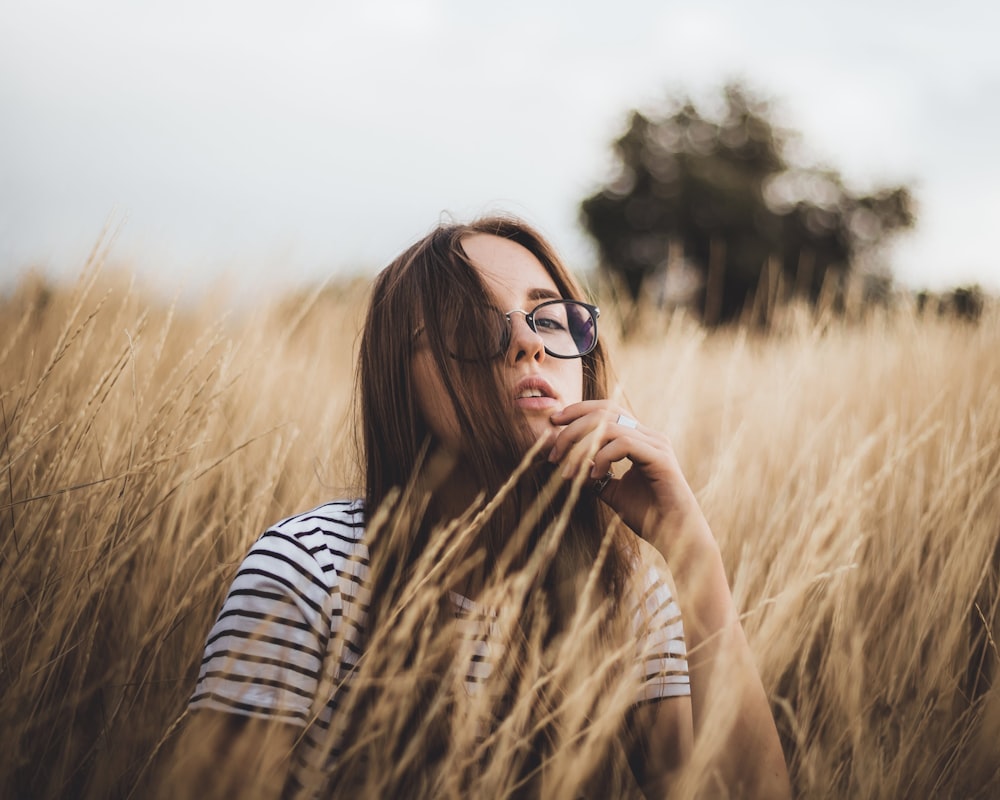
(550, 324)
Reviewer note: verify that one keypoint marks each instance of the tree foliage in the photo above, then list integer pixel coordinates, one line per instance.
(723, 194)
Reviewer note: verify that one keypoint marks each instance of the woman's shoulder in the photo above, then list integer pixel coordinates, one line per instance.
(342, 518)
(330, 536)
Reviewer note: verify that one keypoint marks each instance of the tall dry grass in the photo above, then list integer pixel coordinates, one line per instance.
(850, 472)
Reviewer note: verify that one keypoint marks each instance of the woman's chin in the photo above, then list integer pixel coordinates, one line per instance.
(542, 435)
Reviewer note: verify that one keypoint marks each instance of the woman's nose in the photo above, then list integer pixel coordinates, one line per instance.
(524, 341)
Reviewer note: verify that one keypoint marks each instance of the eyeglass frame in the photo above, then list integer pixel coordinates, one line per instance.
(529, 318)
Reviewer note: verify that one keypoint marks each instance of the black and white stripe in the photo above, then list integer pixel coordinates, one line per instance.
(300, 601)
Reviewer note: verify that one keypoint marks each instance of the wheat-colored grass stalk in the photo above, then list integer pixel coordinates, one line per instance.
(850, 472)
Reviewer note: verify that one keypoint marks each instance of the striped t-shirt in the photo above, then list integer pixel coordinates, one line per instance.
(297, 611)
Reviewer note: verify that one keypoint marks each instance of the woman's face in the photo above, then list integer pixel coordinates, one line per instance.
(537, 384)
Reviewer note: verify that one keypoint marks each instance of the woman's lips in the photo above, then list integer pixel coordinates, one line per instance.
(536, 403)
(535, 394)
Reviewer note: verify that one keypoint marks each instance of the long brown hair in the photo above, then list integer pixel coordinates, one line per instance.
(433, 286)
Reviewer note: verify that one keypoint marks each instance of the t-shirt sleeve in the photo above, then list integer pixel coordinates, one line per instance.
(662, 652)
(265, 653)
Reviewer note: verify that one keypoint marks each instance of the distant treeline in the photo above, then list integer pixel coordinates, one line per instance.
(710, 212)
(963, 302)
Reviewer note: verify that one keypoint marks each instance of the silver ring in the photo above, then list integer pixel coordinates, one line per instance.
(626, 422)
(600, 483)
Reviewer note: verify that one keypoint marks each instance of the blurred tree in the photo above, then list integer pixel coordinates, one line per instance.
(722, 195)
(962, 302)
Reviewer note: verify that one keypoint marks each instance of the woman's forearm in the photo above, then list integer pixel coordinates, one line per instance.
(726, 690)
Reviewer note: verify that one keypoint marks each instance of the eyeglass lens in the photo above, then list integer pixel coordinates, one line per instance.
(566, 328)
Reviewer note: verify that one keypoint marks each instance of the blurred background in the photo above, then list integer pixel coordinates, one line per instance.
(281, 144)
(724, 155)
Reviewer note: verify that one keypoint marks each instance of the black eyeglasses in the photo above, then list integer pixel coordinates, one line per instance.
(568, 329)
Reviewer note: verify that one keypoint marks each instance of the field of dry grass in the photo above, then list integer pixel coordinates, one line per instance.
(850, 472)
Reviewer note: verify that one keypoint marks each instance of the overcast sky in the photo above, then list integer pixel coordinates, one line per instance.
(285, 142)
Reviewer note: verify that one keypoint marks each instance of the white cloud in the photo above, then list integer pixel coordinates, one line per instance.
(336, 132)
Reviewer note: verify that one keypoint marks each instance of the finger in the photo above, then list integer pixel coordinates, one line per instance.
(642, 450)
(608, 422)
(609, 454)
(580, 430)
(576, 410)
(579, 457)
(602, 448)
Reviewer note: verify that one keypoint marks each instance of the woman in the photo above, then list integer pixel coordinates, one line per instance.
(481, 621)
